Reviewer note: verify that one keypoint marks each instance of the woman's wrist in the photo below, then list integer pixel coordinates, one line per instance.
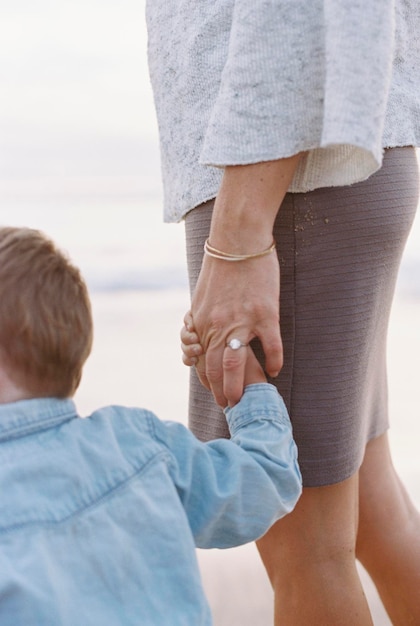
(247, 204)
(222, 255)
(241, 228)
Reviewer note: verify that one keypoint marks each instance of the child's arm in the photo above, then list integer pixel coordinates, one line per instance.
(233, 491)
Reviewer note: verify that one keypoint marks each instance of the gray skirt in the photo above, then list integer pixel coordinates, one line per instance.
(339, 250)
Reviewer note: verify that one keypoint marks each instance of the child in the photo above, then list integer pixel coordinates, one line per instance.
(100, 516)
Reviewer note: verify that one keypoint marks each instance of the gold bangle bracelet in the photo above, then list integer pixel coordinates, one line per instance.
(226, 256)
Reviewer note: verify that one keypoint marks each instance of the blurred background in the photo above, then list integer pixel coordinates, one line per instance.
(79, 153)
(79, 159)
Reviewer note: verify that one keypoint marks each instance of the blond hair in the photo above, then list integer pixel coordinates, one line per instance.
(46, 328)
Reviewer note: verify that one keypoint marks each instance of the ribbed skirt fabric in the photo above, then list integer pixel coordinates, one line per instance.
(339, 250)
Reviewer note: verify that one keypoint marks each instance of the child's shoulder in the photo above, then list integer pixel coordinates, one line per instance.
(125, 420)
(129, 429)
(137, 431)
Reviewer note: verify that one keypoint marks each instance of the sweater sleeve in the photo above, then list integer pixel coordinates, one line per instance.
(232, 491)
(304, 76)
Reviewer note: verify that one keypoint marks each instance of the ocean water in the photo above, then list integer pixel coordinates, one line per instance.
(123, 244)
(119, 244)
(79, 153)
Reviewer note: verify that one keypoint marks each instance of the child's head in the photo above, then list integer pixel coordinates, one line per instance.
(45, 316)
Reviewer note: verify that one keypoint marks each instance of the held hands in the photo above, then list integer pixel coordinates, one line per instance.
(237, 293)
(193, 355)
(236, 300)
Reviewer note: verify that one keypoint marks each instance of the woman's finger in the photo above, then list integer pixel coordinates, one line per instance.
(214, 372)
(234, 363)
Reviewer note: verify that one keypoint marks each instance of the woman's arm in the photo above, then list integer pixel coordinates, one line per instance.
(241, 299)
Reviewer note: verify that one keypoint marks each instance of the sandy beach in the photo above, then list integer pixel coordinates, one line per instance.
(137, 347)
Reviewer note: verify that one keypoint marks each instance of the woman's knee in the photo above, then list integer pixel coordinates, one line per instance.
(385, 510)
(320, 532)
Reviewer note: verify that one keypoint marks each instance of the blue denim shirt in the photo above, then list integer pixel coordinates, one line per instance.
(100, 516)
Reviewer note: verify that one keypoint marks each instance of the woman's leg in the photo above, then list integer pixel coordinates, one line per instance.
(310, 559)
(388, 542)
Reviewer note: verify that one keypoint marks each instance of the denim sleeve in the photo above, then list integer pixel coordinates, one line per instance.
(233, 491)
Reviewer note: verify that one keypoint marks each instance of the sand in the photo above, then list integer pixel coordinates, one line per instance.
(136, 347)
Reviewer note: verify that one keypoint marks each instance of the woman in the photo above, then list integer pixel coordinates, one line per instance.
(297, 121)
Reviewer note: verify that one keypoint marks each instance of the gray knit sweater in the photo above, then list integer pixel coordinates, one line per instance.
(243, 81)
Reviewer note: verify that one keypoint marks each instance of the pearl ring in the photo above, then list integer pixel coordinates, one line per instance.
(235, 344)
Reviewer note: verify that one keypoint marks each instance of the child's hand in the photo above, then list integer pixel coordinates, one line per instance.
(190, 343)
(193, 354)
(254, 373)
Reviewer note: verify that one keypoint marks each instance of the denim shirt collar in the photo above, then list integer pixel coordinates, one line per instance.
(18, 419)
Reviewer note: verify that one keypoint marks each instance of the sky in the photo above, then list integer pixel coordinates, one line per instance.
(76, 108)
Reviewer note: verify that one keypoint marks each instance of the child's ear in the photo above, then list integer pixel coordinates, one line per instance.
(9, 390)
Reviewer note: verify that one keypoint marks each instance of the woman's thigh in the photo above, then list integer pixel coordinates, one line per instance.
(339, 251)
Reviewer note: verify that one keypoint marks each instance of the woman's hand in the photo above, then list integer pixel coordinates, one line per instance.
(236, 300)
(193, 352)
(240, 299)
